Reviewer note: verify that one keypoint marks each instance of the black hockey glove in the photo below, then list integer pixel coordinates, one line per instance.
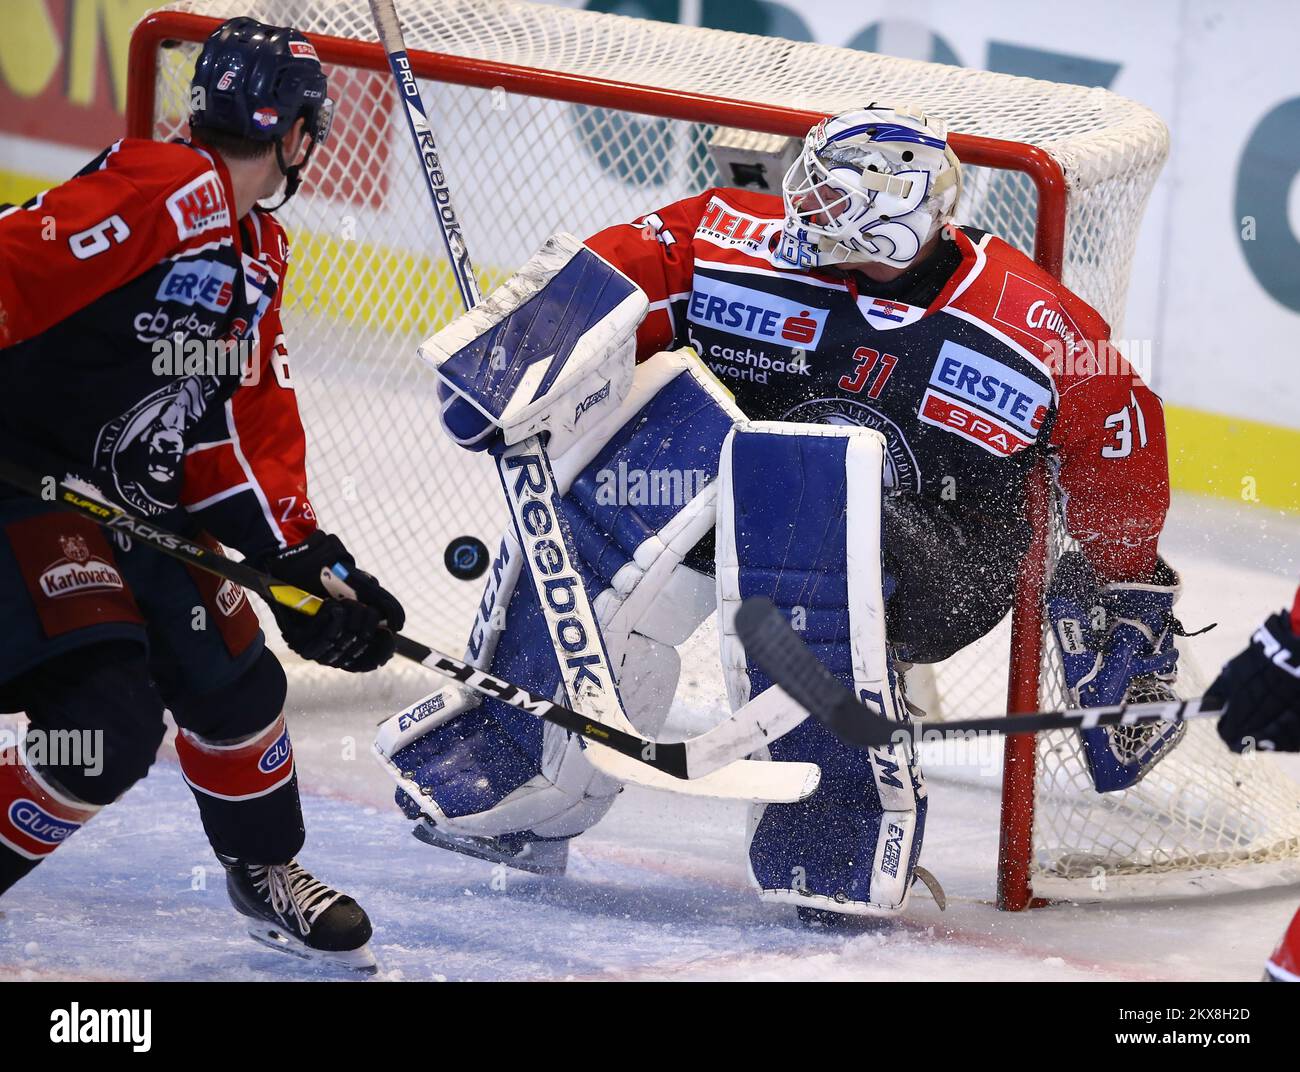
(1260, 690)
(354, 630)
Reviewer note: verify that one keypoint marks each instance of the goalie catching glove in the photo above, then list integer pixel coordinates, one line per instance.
(1117, 644)
(354, 629)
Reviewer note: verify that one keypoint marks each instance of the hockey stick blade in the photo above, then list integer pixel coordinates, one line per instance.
(785, 658)
(739, 735)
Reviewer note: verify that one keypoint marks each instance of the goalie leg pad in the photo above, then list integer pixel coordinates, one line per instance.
(491, 769)
(799, 522)
(639, 493)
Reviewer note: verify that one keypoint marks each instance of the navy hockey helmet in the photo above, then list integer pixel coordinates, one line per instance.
(254, 81)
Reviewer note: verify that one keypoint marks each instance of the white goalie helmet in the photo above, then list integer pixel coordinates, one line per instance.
(869, 185)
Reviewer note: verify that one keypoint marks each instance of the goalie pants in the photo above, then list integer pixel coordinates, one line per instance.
(953, 580)
(99, 640)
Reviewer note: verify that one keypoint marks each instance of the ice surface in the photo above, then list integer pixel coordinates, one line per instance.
(657, 890)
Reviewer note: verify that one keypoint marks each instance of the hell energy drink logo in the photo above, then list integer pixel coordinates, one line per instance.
(199, 207)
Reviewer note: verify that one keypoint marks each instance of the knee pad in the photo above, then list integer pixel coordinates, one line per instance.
(799, 522)
(239, 709)
(638, 495)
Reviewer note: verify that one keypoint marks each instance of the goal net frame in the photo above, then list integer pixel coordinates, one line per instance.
(1055, 177)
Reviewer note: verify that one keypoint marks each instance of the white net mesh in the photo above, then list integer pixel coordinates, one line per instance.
(1188, 827)
(368, 281)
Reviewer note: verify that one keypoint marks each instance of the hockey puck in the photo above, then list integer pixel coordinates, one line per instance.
(466, 558)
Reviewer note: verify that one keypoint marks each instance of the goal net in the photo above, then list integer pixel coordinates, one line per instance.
(551, 118)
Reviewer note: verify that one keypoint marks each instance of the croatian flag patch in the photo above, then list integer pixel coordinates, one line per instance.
(886, 314)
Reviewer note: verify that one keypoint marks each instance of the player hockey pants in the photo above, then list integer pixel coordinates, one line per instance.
(94, 685)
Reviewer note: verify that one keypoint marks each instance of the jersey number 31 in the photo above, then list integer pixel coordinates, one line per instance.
(867, 360)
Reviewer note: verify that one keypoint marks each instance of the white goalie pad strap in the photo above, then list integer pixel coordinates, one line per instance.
(526, 360)
(864, 473)
(727, 580)
(419, 718)
(490, 614)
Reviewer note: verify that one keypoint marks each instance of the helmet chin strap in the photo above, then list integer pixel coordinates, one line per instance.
(292, 175)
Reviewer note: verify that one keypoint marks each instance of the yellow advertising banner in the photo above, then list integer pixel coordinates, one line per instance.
(62, 78)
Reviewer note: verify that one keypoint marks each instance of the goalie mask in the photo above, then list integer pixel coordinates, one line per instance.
(870, 185)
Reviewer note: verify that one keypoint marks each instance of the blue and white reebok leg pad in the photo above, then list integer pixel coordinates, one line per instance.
(799, 521)
(639, 492)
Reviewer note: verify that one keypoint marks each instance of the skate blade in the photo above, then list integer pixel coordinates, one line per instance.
(360, 960)
(539, 858)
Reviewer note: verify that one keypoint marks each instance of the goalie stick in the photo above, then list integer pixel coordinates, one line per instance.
(729, 740)
(785, 658)
(587, 673)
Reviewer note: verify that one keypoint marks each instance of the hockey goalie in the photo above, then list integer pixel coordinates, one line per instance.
(841, 395)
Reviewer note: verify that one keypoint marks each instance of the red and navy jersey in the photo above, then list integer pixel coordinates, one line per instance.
(110, 286)
(974, 365)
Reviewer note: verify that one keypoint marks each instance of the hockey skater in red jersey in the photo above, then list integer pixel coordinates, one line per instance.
(854, 301)
(1259, 692)
(141, 341)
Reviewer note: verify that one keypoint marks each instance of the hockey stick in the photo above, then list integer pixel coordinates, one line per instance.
(731, 739)
(528, 482)
(773, 645)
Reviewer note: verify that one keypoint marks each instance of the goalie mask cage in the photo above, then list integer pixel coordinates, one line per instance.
(551, 118)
